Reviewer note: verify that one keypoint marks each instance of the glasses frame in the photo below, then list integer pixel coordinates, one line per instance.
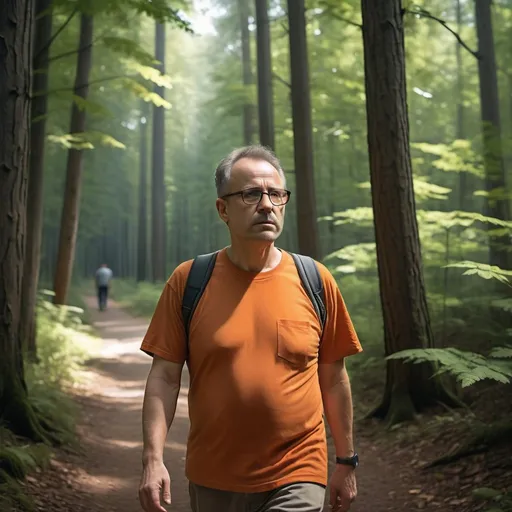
(242, 192)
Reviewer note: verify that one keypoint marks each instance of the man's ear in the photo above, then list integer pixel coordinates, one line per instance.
(222, 209)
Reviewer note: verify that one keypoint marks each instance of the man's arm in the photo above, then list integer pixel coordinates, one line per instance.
(337, 400)
(160, 399)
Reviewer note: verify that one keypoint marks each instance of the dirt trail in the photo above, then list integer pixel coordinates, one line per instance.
(108, 474)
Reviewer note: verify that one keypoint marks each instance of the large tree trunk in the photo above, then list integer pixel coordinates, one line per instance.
(142, 237)
(247, 76)
(497, 206)
(43, 33)
(71, 205)
(302, 132)
(15, 90)
(158, 233)
(402, 289)
(265, 94)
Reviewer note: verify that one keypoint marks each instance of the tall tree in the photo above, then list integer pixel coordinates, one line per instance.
(497, 202)
(402, 288)
(302, 131)
(15, 90)
(247, 75)
(42, 36)
(142, 237)
(265, 91)
(158, 217)
(72, 191)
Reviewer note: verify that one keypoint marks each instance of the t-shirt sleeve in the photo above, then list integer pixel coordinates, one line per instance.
(339, 338)
(165, 336)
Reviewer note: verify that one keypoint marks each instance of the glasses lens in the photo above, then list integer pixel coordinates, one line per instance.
(251, 196)
(279, 197)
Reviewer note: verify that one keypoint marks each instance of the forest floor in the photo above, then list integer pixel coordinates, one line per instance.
(104, 475)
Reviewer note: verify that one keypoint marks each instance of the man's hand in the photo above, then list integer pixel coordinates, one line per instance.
(155, 484)
(342, 488)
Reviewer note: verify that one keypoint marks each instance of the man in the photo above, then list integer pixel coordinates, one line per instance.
(262, 372)
(103, 277)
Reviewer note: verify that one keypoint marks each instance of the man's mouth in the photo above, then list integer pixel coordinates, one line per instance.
(270, 222)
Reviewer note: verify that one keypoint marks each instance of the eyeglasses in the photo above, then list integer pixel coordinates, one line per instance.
(252, 196)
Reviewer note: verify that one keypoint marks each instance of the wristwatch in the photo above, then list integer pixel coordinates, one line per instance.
(349, 461)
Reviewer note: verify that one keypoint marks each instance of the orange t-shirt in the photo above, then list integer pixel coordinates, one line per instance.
(255, 404)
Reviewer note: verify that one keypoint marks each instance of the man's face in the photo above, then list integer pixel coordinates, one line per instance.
(261, 220)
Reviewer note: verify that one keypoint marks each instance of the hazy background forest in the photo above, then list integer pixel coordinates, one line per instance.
(159, 93)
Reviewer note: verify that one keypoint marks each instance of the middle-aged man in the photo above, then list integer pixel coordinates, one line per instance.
(262, 371)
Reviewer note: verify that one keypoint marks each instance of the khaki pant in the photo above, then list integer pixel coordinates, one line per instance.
(303, 497)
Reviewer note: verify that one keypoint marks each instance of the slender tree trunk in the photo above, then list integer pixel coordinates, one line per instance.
(406, 318)
(494, 164)
(158, 238)
(142, 238)
(265, 91)
(303, 136)
(247, 75)
(43, 33)
(15, 90)
(460, 107)
(72, 191)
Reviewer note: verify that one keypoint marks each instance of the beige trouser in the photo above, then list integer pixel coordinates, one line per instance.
(302, 496)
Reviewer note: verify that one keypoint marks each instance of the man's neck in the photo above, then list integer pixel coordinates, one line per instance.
(254, 257)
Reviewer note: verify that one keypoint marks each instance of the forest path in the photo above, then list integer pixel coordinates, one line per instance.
(111, 440)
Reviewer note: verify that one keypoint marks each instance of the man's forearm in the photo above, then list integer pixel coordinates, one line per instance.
(160, 401)
(337, 400)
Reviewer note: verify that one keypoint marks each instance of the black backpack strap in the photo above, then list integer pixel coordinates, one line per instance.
(312, 282)
(198, 277)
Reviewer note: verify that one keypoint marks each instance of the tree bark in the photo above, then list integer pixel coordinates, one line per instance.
(15, 90)
(402, 289)
(302, 132)
(42, 34)
(247, 75)
(142, 238)
(265, 91)
(491, 128)
(72, 191)
(158, 224)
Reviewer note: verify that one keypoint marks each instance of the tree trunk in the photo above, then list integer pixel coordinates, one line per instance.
(302, 132)
(491, 128)
(265, 91)
(460, 106)
(247, 76)
(142, 238)
(43, 33)
(15, 90)
(158, 238)
(71, 205)
(402, 289)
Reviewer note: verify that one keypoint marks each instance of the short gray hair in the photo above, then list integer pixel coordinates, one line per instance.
(255, 151)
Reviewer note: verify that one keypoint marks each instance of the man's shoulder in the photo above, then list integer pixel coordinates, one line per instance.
(325, 273)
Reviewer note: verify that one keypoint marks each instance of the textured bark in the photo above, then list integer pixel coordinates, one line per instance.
(302, 132)
(42, 34)
(247, 75)
(15, 88)
(158, 224)
(491, 127)
(265, 90)
(406, 318)
(72, 191)
(142, 235)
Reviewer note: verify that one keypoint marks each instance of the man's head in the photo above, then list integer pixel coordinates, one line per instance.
(251, 190)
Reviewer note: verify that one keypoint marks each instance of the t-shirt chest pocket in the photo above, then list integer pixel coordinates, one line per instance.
(297, 342)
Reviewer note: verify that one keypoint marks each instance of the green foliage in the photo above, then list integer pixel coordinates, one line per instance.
(483, 270)
(12, 496)
(466, 367)
(139, 298)
(498, 500)
(85, 140)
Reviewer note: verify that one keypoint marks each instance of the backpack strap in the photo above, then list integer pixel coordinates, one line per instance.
(312, 282)
(198, 277)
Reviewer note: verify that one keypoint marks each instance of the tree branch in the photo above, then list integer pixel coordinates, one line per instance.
(335, 15)
(281, 80)
(57, 32)
(92, 82)
(71, 52)
(426, 14)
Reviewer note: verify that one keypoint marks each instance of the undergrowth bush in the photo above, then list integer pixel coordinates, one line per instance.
(138, 298)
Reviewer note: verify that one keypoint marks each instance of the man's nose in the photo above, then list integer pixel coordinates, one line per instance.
(265, 205)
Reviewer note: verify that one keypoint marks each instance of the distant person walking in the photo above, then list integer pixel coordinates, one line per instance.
(103, 278)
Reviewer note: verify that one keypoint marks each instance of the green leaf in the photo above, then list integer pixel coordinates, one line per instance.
(486, 493)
